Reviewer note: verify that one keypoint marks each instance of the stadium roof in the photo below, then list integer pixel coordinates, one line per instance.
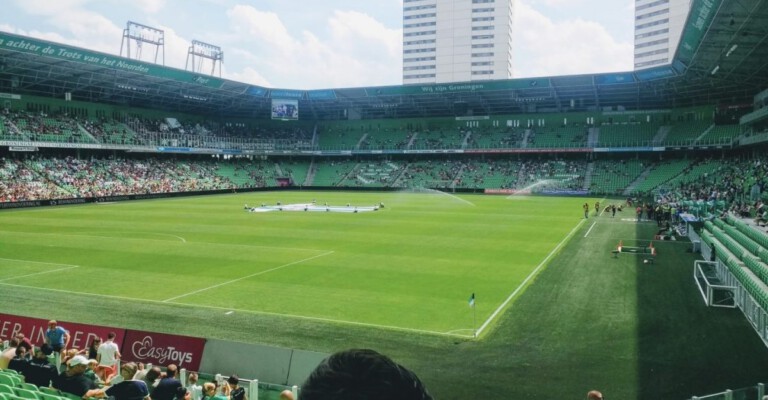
(722, 59)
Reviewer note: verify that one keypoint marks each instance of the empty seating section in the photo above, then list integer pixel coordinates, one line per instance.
(431, 174)
(613, 176)
(498, 174)
(297, 170)
(558, 137)
(686, 133)
(720, 134)
(387, 140)
(744, 250)
(339, 137)
(372, 174)
(628, 134)
(331, 172)
(661, 173)
(441, 139)
(496, 138)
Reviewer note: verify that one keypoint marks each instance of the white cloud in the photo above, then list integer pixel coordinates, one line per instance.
(148, 6)
(545, 47)
(360, 50)
(247, 75)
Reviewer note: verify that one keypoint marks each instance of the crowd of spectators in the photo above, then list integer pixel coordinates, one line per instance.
(59, 178)
(345, 375)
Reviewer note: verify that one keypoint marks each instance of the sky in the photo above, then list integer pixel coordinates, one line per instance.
(320, 44)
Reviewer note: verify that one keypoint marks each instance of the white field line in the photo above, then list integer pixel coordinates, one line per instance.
(103, 236)
(39, 262)
(40, 273)
(590, 229)
(247, 276)
(528, 278)
(168, 234)
(166, 303)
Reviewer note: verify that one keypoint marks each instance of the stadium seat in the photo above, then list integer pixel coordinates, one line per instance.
(9, 380)
(5, 388)
(28, 386)
(46, 396)
(27, 394)
(49, 391)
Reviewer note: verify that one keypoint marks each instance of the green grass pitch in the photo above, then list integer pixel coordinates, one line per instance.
(558, 314)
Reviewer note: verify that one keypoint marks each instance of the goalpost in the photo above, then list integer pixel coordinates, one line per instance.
(714, 293)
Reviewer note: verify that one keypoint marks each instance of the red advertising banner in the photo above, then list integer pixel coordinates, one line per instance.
(81, 335)
(162, 349)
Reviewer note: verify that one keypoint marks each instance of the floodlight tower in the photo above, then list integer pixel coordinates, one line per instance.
(142, 34)
(201, 51)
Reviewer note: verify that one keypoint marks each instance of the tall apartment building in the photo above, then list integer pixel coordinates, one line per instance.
(658, 26)
(456, 40)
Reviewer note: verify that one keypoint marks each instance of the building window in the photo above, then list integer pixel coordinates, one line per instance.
(475, 55)
(482, 72)
(649, 63)
(482, 28)
(483, 1)
(412, 51)
(424, 41)
(418, 76)
(420, 33)
(414, 8)
(654, 23)
(483, 46)
(652, 14)
(649, 5)
(482, 63)
(478, 19)
(652, 33)
(652, 53)
(417, 59)
(420, 24)
(418, 68)
(653, 43)
(479, 10)
(482, 37)
(419, 16)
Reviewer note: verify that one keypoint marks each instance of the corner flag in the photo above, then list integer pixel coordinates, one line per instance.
(472, 300)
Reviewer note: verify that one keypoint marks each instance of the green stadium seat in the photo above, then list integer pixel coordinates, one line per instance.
(49, 391)
(27, 394)
(5, 388)
(47, 396)
(9, 380)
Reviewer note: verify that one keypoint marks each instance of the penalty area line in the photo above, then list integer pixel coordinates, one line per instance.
(528, 278)
(247, 276)
(229, 309)
(40, 273)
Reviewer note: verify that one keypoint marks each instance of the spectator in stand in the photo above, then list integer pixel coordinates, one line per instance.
(209, 392)
(74, 381)
(166, 388)
(236, 392)
(194, 389)
(92, 351)
(56, 336)
(594, 395)
(20, 362)
(9, 353)
(286, 395)
(183, 393)
(40, 372)
(128, 388)
(362, 374)
(23, 341)
(108, 355)
(151, 376)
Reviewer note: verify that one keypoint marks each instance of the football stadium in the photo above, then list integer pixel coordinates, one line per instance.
(529, 238)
